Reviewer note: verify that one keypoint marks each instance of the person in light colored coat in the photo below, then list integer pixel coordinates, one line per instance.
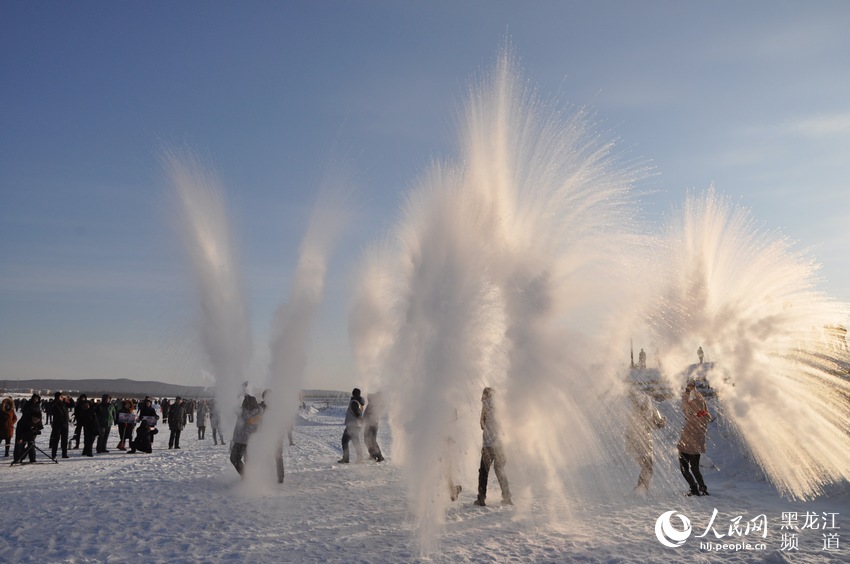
(692, 440)
(644, 419)
(492, 453)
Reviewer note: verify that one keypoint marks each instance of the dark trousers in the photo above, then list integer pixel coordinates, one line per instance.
(23, 447)
(88, 441)
(495, 457)
(201, 432)
(238, 456)
(278, 459)
(370, 437)
(59, 433)
(220, 436)
(174, 438)
(78, 431)
(689, 465)
(102, 437)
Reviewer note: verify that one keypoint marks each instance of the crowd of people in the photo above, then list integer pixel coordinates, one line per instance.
(93, 421)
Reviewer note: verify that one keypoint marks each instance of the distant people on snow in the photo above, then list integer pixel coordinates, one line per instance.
(60, 417)
(353, 416)
(78, 425)
(215, 424)
(202, 419)
(700, 354)
(645, 418)
(8, 417)
(176, 421)
(87, 418)
(642, 360)
(692, 440)
(105, 412)
(126, 423)
(29, 427)
(143, 440)
(492, 452)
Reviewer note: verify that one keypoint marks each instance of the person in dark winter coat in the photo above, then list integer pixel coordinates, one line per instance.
(148, 411)
(491, 451)
(246, 425)
(175, 422)
(692, 440)
(29, 427)
(352, 426)
(143, 440)
(78, 426)
(60, 418)
(105, 413)
(8, 417)
(87, 418)
(371, 418)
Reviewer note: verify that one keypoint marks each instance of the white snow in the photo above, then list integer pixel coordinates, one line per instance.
(191, 506)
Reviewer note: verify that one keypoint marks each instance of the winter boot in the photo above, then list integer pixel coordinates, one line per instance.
(342, 461)
(479, 501)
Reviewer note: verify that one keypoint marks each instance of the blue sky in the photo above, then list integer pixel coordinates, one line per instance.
(752, 96)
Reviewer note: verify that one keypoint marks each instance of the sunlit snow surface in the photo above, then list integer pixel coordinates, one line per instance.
(189, 505)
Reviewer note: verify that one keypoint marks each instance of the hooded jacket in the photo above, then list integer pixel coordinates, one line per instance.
(8, 418)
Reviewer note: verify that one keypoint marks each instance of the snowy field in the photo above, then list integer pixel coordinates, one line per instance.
(190, 506)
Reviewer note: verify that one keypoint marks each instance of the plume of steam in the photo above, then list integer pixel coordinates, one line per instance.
(223, 321)
(749, 300)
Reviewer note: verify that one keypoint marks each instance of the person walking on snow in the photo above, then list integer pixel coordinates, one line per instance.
(492, 452)
(352, 426)
(692, 440)
(700, 354)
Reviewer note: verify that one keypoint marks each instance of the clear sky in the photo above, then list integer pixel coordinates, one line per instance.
(751, 96)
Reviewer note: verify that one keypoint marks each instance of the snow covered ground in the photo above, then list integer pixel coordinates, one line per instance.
(191, 506)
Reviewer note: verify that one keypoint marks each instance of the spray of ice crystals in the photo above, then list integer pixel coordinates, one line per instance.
(748, 299)
(291, 329)
(223, 321)
(497, 261)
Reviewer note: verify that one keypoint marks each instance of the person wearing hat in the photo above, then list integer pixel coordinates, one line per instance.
(60, 418)
(352, 426)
